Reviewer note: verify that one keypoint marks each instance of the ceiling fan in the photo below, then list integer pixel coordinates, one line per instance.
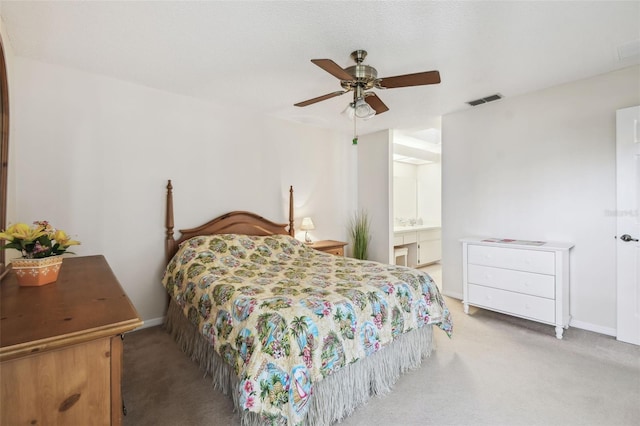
(359, 78)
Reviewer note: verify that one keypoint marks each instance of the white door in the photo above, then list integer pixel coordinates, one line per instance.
(628, 223)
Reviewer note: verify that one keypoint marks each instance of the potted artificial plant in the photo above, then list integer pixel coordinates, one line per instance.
(360, 234)
(41, 247)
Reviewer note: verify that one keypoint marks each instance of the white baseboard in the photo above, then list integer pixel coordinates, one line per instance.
(452, 294)
(593, 327)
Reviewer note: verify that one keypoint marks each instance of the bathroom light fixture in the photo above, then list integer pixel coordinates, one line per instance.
(307, 225)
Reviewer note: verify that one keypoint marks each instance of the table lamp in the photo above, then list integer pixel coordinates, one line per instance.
(307, 225)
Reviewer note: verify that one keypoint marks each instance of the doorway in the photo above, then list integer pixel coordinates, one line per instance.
(417, 198)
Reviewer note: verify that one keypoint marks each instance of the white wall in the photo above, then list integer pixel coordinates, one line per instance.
(92, 155)
(375, 191)
(541, 166)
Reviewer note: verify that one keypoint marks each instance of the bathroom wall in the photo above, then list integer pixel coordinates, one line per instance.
(429, 178)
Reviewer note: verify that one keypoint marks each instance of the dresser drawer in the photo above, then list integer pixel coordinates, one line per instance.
(542, 262)
(507, 279)
(338, 251)
(532, 307)
(329, 246)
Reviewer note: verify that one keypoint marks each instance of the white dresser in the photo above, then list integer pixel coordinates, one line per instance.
(520, 279)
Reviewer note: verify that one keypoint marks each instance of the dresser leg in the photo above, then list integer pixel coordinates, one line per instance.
(559, 331)
(465, 307)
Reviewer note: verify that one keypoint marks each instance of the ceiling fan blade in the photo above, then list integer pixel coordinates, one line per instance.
(376, 103)
(320, 98)
(417, 79)
(332, 68)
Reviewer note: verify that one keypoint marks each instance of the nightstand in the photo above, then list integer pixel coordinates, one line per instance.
(329, 246)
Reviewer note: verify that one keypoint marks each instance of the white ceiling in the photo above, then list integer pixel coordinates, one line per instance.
(257, 54)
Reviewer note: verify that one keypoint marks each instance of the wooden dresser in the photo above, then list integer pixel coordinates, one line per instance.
(523, 279)
(61, 347)
(329, 246)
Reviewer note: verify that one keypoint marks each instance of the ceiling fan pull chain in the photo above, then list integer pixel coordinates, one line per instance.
(355, 133)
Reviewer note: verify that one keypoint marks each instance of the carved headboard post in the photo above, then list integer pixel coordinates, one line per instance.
(292, 231)
(169, 242)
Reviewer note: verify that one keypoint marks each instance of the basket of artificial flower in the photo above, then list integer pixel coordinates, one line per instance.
(41, 246)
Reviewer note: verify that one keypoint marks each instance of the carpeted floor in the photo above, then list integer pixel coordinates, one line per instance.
(496, 370)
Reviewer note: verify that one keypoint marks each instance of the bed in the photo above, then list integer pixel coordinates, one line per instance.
(294, 335)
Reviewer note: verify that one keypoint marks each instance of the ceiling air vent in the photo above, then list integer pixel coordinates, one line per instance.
(485, 100)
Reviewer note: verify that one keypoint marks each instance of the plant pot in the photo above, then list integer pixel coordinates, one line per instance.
(37, 272)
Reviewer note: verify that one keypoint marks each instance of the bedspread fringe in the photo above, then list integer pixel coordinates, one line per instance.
(336, 396)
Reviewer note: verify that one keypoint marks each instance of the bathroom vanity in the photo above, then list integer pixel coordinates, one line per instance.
(424, 243)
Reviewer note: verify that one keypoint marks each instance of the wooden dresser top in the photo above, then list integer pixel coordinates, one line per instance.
(85, 303)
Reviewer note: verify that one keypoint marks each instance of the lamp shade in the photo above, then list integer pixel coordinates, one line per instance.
(363, 109)
(307, 224)
(360, 109)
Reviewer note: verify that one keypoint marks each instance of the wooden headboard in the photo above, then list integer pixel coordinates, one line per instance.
(236, 222)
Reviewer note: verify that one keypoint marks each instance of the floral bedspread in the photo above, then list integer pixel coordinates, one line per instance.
(284, 315)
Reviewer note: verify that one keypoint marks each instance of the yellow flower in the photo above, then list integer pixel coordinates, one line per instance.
(63, 239)
(22, 231)
(36, 241)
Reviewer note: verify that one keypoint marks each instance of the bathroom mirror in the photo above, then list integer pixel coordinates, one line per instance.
(404, 198)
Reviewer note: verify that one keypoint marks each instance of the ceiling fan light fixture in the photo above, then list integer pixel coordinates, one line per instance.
(349, 111)
(363, 110)
(359, 109)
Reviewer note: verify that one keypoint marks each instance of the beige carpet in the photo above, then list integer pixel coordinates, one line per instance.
(496, 370)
